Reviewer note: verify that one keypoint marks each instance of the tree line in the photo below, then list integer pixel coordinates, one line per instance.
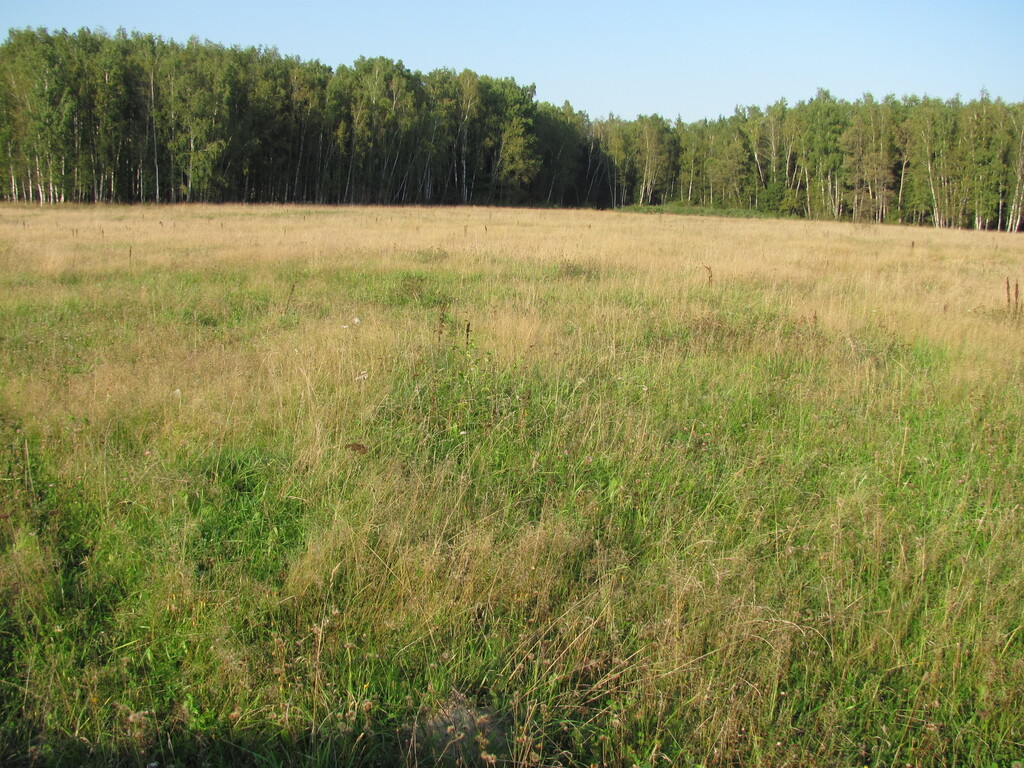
(131, 117)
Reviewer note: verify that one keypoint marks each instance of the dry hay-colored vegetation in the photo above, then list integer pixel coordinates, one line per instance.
(326, 486)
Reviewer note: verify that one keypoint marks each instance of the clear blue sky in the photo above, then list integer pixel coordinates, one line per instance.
(678, 59)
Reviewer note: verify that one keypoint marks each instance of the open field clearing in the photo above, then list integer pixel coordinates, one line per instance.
(356, 486)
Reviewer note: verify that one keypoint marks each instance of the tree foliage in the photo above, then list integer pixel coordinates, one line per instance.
(90, 117)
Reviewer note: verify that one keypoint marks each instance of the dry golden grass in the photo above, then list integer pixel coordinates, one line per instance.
(840, 271)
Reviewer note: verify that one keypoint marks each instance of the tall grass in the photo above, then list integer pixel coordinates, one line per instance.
(299, 486)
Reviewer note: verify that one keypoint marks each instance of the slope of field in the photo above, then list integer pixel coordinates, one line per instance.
(317, 486)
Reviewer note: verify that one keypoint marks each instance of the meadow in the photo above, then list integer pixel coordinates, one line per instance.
(425, 486)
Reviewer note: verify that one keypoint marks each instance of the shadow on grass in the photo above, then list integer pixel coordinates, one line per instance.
(456, 733)
(197, 750)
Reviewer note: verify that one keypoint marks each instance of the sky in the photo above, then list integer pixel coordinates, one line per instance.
(682, 59)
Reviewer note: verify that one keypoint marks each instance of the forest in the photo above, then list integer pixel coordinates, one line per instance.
(132, 117)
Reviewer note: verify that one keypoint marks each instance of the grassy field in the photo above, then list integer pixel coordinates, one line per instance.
(319, 486)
